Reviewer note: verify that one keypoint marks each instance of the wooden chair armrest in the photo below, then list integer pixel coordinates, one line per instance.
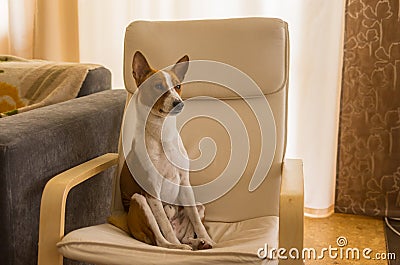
(52, 207)
(291, 208)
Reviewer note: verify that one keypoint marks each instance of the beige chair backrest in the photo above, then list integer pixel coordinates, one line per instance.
(259, 48)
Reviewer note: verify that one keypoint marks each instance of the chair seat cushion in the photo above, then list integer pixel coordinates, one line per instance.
(237, 243)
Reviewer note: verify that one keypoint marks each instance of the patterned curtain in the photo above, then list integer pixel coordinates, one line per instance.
(368, 175)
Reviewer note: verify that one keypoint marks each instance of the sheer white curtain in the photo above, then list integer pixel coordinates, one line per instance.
(102, 22)
(315, 72)
(16, 27)
(41, 29)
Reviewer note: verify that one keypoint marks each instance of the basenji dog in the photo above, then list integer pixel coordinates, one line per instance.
(161, 209)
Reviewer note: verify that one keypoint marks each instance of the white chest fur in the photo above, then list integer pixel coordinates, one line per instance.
(168, 156)
(159, 154)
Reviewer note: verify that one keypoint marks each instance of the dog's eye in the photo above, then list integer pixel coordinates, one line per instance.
(159, 86)
(178, 87)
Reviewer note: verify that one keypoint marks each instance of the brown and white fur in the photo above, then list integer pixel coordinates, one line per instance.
(150, 218)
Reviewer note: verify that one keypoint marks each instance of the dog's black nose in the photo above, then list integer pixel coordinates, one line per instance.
(177, 103)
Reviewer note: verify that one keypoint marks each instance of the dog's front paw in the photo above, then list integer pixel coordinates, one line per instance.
(178, 246)
(205, 244)
(201, 243)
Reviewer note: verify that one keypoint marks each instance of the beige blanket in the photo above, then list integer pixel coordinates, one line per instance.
(29, 84)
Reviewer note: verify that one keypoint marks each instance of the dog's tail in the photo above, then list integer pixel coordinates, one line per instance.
(119, 220)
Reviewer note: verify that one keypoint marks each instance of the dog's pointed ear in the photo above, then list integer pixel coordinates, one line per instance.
(140, 68)
(181, 67)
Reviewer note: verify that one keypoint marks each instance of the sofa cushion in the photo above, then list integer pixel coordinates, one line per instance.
(97, 80)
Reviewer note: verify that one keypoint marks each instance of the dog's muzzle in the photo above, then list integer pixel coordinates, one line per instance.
(177, 106)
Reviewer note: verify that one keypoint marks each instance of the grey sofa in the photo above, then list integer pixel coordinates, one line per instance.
(36, 145)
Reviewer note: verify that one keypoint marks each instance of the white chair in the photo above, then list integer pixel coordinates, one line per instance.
(241, 222)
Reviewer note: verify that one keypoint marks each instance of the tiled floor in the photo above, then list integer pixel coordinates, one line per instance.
(359, 231)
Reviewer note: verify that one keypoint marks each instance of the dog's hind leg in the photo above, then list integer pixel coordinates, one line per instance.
(162, 220)
(139, 220)
(143, 226)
